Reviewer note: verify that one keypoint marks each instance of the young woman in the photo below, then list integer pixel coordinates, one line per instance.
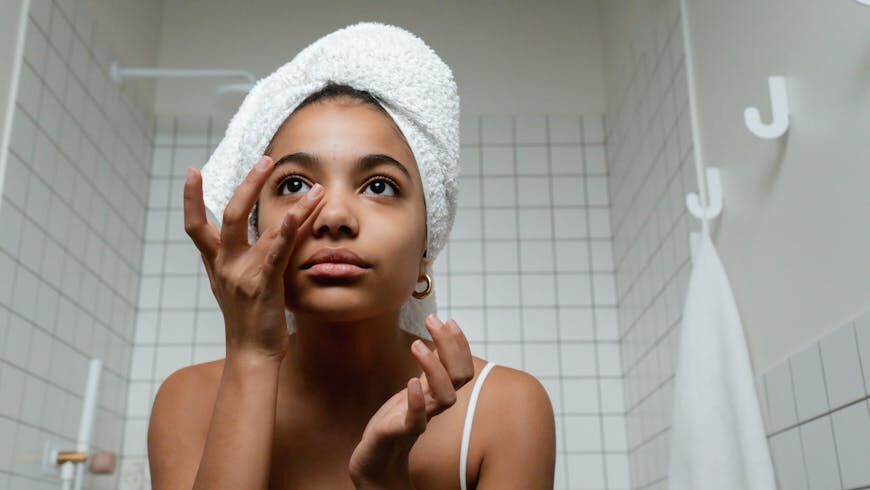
(347, 401)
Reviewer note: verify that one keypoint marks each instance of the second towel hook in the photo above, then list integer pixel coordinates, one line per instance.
(714, 197)
(779, 106)
(705, 213)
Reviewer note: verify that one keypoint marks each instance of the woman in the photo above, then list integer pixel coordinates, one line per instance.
(346, 400)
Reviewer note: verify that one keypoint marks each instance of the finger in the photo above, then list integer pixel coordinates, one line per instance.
(454, 355)
(210, 271)
(415, 418)
(440, 385)
(464, 349)
(280, 241)
(234, 229)
(204, 234)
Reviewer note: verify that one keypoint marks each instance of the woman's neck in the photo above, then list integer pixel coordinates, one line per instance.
(350, 367)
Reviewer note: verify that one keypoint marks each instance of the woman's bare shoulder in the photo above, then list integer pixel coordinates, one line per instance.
(509, 387)
(179, 420)
(192, 387)
(198, 375)
(501, 379)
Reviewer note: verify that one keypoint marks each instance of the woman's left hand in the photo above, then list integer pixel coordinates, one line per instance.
(380, 460)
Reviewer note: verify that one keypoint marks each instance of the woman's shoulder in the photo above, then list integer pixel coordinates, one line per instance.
(503, 380)
(198, 376)
(192, 388)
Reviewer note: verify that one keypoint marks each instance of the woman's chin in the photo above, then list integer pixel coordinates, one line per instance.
(333, 303)
(341, 304)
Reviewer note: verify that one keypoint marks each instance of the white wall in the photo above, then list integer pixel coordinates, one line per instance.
(507, 57)
(73, 216)
(816, 405)
(793, 235)
(131, 29)
(790, 233)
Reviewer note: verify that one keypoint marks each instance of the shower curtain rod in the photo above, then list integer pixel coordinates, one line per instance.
(118, 74)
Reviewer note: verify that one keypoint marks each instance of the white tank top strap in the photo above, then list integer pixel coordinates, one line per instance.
(469, 418)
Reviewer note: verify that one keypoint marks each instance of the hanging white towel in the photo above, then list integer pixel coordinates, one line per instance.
(718, 441)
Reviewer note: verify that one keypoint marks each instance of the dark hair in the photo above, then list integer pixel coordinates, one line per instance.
(330, 91)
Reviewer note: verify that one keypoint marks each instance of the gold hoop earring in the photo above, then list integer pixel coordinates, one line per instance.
(423, 294)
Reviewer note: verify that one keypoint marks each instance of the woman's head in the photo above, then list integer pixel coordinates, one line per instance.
(409, 80)
(343, 139)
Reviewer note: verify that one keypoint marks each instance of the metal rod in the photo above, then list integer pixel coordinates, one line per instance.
(118, 74)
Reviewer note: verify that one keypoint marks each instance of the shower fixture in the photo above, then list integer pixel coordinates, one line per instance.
(68, 464)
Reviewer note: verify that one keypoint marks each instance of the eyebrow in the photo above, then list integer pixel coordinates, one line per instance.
(365, 162)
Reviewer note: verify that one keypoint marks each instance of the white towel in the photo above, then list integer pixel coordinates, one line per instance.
(412, 83)
(717, 441)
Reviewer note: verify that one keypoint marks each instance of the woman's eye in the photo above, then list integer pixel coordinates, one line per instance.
(382, 187)
(293, 184)
(379, 187)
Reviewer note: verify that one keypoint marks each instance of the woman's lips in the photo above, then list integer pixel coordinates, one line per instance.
(335, 270)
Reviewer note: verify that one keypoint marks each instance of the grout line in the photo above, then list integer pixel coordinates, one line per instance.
(591, 280)
(815, 417)
(519, 275)
(481, 193)
(800, 433)
(557, 306)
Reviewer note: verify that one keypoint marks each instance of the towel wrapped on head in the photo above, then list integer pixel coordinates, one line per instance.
(407, 78)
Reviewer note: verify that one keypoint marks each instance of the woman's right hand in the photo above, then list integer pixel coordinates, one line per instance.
(247, 280)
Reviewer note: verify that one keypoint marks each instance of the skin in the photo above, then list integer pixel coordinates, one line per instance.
(348, 354)
(344, 380)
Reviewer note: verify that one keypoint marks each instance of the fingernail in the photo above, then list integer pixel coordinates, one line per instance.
(420, 347)
(189, 174)
(315, 192)
(263, 164)
(454, 327)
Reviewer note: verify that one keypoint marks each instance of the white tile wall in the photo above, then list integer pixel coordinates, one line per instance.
(73, 217)
(817, 401)
(810, 392)
(651, 169)
(820, 458)
(843, 375)
(852, 433)
(787, 453)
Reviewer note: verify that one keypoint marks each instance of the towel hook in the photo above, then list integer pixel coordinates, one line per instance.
(705, 213)
(714, 197)
(779, 106)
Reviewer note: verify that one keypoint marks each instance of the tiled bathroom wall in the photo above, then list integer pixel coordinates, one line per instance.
(530, 266)
(651, 168)
(73, 214)
(528, 274)
(817, 412)
(815, 403)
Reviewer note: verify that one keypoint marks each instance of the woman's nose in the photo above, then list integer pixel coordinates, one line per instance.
(336, 217)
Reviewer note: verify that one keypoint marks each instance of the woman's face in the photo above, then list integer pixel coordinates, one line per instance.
(376, 210)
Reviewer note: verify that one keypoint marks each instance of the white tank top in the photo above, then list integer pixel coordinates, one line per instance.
(469, 417)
